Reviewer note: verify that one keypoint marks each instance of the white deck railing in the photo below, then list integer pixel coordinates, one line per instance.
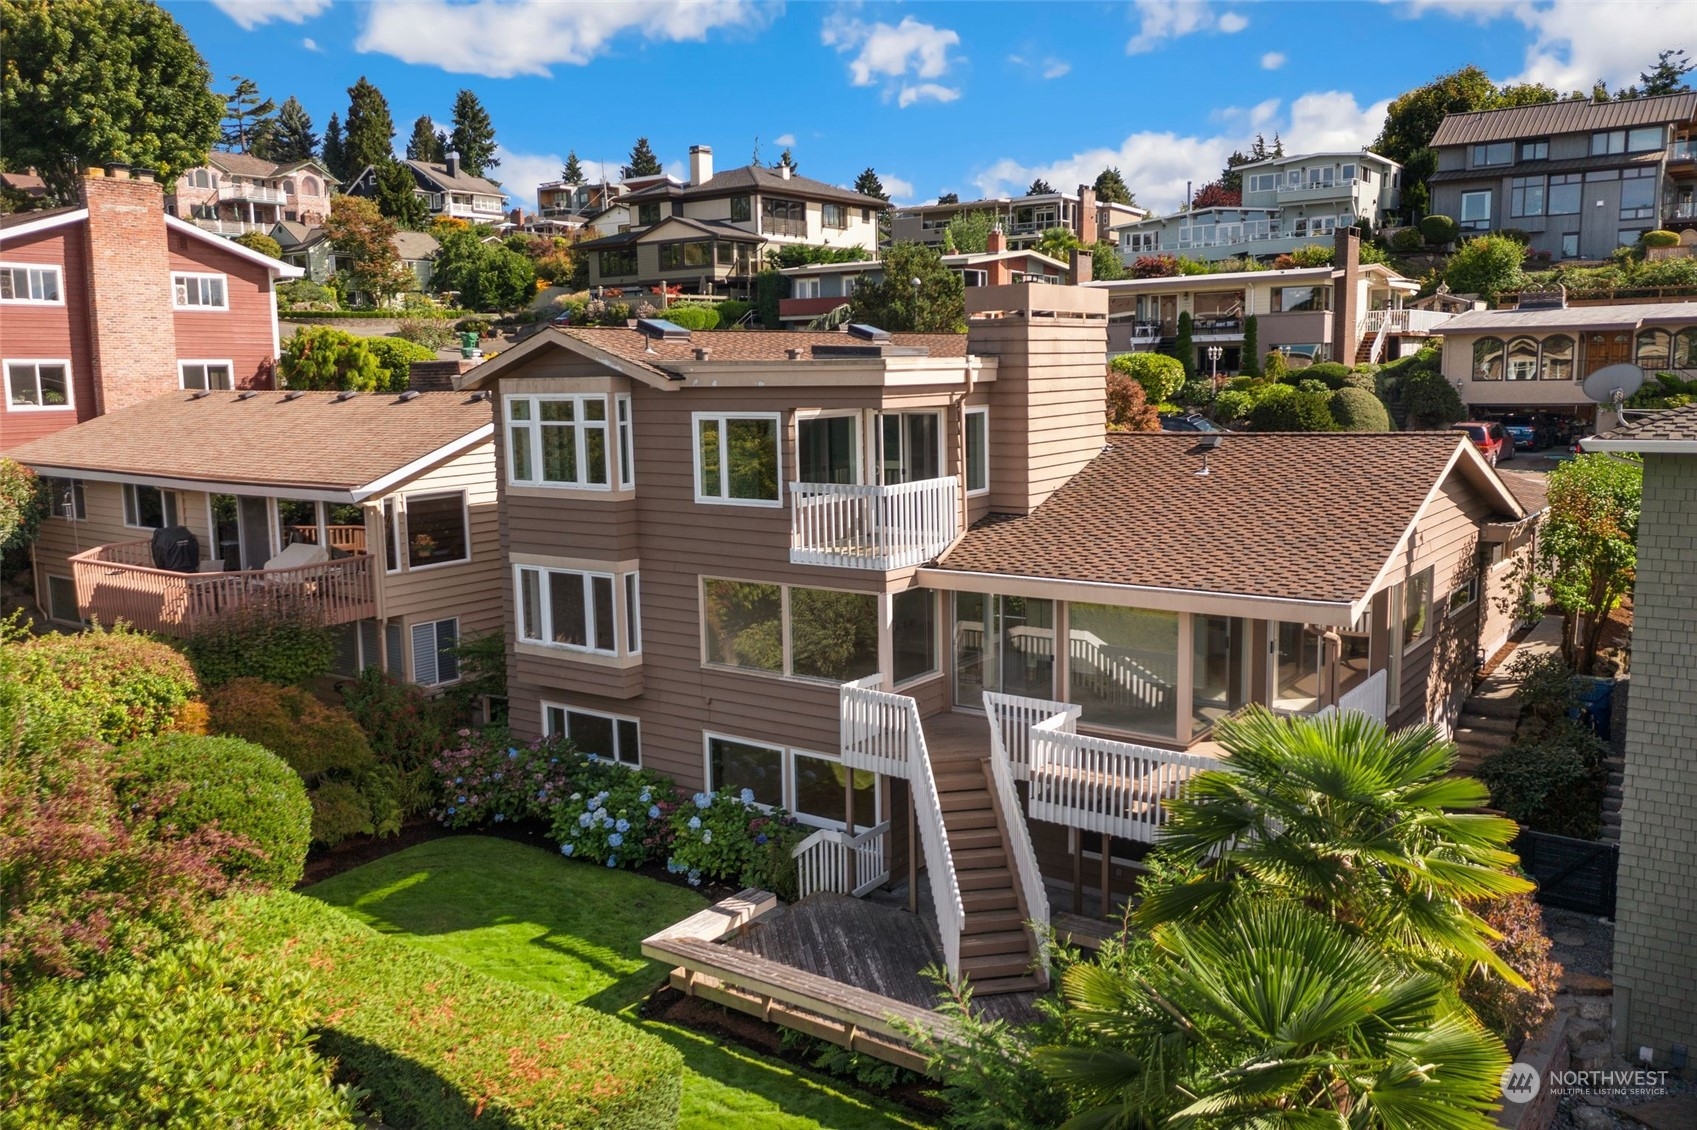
(1011, 718)
(1369, 698)
(1100, 785)
(1005, 718)
(822, 860)
(1404, 321)
(870, 527)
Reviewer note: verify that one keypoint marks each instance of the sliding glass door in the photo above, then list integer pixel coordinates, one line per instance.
(1005, 644)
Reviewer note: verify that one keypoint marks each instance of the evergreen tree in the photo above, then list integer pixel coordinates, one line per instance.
(948, 198)
(868, 184)
(643, 162)
(245, 114)
(1111, 187)
(1039, 187)
(394, 189)
(573, 171)
(335, 153)
(1183, 345)
(1668, 75)
(1278, 145)
(1250, 365)
(473, 135)
(786, 160)
(290, 137)
(936, 305)
(427, 143)
(369, 134)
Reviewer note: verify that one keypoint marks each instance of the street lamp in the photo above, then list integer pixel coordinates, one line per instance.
(1214, 353)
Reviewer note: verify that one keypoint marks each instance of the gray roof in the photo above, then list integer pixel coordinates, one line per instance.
(462, 182)
(717, 229)
(1572, 116)
(297, 234)
(757, 178)
(247, 165)
(1625, 316)
(415, 245)
(1669, 425)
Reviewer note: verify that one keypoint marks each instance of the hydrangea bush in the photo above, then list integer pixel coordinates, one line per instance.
(484, 779)
(726, 836)
(626, 822)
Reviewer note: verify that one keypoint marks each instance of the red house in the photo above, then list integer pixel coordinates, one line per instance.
(114, 302)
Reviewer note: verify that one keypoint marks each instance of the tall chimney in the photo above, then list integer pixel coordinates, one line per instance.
(700, 164)
(1083, 264)
(1085, 222)
(997, 242)
(131, 316)
(1346, 296)
(453, 162)
(784, 171)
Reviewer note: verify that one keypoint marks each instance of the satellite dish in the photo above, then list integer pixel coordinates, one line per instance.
(1613, 383)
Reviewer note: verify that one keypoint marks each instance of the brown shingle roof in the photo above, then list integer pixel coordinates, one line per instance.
(1532, 488)
(1573, 116)
(1304, 517)
(744, 345)
(462, 182)
(312, 441)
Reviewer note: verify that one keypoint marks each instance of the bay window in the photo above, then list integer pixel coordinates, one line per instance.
(558, 441)
(737, 459)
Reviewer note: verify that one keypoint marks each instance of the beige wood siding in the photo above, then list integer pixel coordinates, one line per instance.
(104, 504)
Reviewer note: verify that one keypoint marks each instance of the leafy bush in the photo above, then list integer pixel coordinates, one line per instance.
(1357, 410)
(278, 646)
(299, 293)
(1128, 408)
(731, 311)
(725, 836)
(626, 823)
(1659, 238)
(1161, 376)
(692, 316)
(1439, 229)
(1486, 265)
(1544, 684)
(440, 1047)
(350, 791)
(1281, 408)
(1664, 390)
(104, 685)
(23, 505)
(323, 357)
(990, 1079)
(198, 1036)
(484, 780)
(1552, 782)
(1407, 239)
(1514, 1013)
(1334, 374)
(227, 783)
(1198, 393)
(260, 242)
(403, 724)
(1431, 401)
(1312, 255)
(432, 333)
(395, 356)
(1275, 367)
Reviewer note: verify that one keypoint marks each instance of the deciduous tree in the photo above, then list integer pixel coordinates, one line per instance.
(1588, 547)
(473, 135)
(1486, 265)
(363, 239)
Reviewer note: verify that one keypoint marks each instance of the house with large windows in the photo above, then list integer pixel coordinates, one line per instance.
(374, 513)
(235, 193)
(904, 586)
(1023, 219)
(1580, 178)
(113, 301)
(448, 190)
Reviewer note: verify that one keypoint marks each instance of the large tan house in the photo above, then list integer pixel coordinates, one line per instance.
(373, 511)
(900, 585)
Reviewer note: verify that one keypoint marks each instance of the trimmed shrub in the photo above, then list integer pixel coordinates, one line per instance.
(106, 685)
(296, 293)
(1552, 782)
(692, 316)
(726, 836)
(1197, 393)
(1512, 1013)
(1128, 409)
(1439, 229)
(257, 643)
(484, 780)
(1251, 363)
(731, 311)
(260, 242)
(395, 356)
(1407, 239)
(1357, 410)
(199, 1036)
(230, 784)
(1161, 376)
(323, 357)
(1659, 238)
(1333, 374)
(440, 1047)
(350, 791)
(1281, 408)
(403, 724)
(626, 823)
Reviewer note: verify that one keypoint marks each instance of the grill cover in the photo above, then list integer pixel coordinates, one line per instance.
(176, 548)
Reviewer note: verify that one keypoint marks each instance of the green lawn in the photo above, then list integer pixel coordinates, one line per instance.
(574, 930)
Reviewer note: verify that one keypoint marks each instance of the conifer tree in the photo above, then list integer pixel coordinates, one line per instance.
(369, 133)
(473, 135)
(573, 171)
(868, 184)
(643, 162)
(1111, 187)
(1039, 187)
(335, 153)
(245, 115)
(290, 136)
(427, 143)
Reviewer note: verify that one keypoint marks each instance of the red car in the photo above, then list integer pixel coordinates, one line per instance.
(1493, 442)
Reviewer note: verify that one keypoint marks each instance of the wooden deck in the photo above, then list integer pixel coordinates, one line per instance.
(955, 737)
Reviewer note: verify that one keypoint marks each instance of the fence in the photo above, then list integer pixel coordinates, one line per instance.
(1571, 874)
(822, 861)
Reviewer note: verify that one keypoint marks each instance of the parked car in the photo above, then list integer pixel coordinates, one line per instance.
(1526, 432)
(1493, 442)
(1189, 422)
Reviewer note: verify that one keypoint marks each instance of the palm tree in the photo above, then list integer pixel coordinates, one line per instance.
(1276, 1017)
(1351, 821)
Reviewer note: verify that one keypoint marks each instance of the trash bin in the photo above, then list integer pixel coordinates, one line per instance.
(468, 344)
(1596, 703)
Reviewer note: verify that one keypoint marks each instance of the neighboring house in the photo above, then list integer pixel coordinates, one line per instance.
(417, 251)
(559, 199)
(113, 301)
(1580, 178)
(236, 193)
(795, 563)
(26, 187)
(820, 288)
(448, 190)
(711, 236)
(308, 247)
(1288, 202)
(375, 512)
(1655, 949)
(1535, 360)
(1356, 314)
(1023, 219)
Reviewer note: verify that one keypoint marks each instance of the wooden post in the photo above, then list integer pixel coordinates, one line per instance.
(1107, 875)
(912, 853)
(1077, 870)
(849, 861)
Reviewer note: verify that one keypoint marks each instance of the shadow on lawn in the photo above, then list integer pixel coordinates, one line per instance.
(411, 1094)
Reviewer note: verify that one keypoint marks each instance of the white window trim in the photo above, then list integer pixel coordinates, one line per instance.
(625, 425)
(902, 457)
(59, 275)
(1408, 645)
(533, 430)
(195, 307)
(168, 501)
(723, 418)
(411, 642)
(1471, 586)
(784, 628)
(70, 384)
(809, 819)
(632, 612)
(465, 524)
(567, 709)
(712, 786)
(937, 642)
(228, 364)
(966, 455)
(621, 645)
(862, 457)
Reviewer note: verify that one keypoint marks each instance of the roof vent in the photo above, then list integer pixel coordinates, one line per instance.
(702, 353)
(347, 395)
(248, 395)
(793, 354)
(201, 395)
(867, 333)
(662, 329)
(478, 397)
(409, 395)
(294, 395)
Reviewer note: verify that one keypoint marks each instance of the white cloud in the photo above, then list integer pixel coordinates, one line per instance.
(311, 44)
(784, 139)
(1160, 20)
(892, 55)
(1273, 60)
(898, 188)
(1572, 43)
(520, 173)
(504, 38)
(1055, 68)
(249, 14)
(1332, 122)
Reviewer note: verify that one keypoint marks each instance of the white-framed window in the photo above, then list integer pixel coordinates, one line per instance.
(65, 496)
(611, 737)
(1464, 595)
(200, 292)
(627, 452)
(804, 633)
(808, 783)
(828, 447)
(804, 288)
(575, 609)
(558, 441)
(1417, 609)
(738, 763)
(737, 458)
(438, 529)
(149, 508)
(977, 450)
(62, 600)
(1475, 210)
(433, 658)
(915, 636)
(633, 613)
(391, 536)
(34, 284)
(33, 385)
(213, 375)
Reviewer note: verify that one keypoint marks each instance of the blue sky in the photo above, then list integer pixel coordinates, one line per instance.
(965, 97)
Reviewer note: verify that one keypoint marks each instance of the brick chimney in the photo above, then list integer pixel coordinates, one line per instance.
(997, 243)
(131, 319)
(1346, 296)
(1085, 222)
(1082, 264)
(700, 164)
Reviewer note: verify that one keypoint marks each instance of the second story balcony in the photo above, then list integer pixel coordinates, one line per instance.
(851, 526)
(1404, 321)
(256, 193)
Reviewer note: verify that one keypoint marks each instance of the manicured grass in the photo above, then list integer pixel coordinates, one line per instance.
(574, 930)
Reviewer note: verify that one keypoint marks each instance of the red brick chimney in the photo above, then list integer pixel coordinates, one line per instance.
(1085, 224)
(133, 328)
(1346, 312)
(997, 243)
(1082, 265)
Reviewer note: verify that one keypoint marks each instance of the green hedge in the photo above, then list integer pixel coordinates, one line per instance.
(440, 1047)
(99, 685)
(279, 647)
(393, 315)
(1357, 410)
(691, 316)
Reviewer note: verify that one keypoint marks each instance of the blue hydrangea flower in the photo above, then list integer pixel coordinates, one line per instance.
(707, 836)
(462, 800)
(622, 824)
(452, 810)
(608, 824)
(593, 760)
(654, 812)
(553, 761)
(511, 752)
(567, 848)
(747, 796)
(499, 817)
(694, 821)
(497, 776)
(702, 800)
(612, 861)
(645, 797)
(615, 840)
(459, 780)
(761, 838)
(584, 820)
(695, 878)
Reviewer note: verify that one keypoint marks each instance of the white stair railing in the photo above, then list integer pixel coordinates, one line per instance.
(871, 728)
(1100, 785)
(822, 861)
(1378, 349)
(1019, 845)
(1369, 698)
(1011, 719)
